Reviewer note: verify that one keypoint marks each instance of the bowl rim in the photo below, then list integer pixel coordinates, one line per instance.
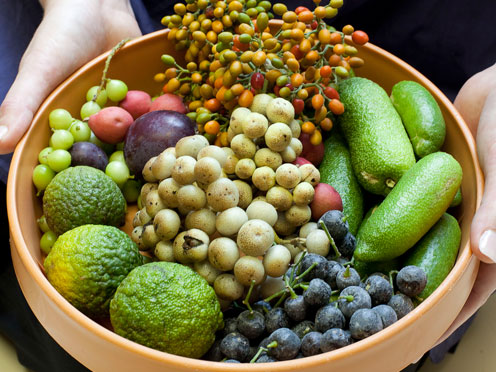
(36, 273)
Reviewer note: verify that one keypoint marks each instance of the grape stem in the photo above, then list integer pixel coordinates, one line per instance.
(391, 280)
(114, 50)
(246, 301)
(257, 355)
(333, 244)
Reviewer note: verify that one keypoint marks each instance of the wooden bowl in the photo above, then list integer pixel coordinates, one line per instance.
(100, 349)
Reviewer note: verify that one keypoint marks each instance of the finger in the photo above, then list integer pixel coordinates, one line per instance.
(483, 288)
(483, 229)
(64, 41)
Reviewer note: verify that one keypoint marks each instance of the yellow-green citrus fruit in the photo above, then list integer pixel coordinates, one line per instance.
(87, 264)
(82, 195)
(168, 307)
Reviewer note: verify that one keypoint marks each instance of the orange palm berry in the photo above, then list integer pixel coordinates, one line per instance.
(173, 85)
(320, 114)
(312, 56)
(320, 12)
(359, 37)
(194, 105)
(326, 124)
(336, 38)
(297, 34)
(336, 106)
(213, 105)
(272, 75)
(217, 26)
(316, 138)
(334, 60)
(289, 17)
(212, 127)
(338, 49)
(325, 36)
(317, 101)
(305, 16)
(308, 127)
(305, 45)
(220, 93)
(325, 71)
(237, 89)
(356, 62)
(246, 98)
(219, 82)
(293, 64)
(296, 80)
(259, 58)
(196, 78)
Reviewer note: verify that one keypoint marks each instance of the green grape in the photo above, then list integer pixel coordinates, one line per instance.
(140, 204)
(116, 90)
(131, 190)
(42, 224)
(59, 119)
(118, 171)
(102, 96)
(59, 160)
(61, 139)
(80, 131)
(117, 156)
(42, 156)
(120, 146)
(88, 109)
(47, 241)
(42, 175)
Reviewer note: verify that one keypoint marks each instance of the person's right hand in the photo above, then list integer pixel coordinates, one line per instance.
(70, 34)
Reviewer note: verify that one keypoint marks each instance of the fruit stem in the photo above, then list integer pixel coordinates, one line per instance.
(296, 266)
(277, 294)
(348, 298)
(281, 299)
(114, 50)
(333, 244)
(302, 275)
(246, 301)
(255, 357)
(272, 345)
(391, 280)
(346, 273)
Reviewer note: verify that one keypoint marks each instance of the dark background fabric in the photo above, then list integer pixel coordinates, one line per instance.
(446, 40)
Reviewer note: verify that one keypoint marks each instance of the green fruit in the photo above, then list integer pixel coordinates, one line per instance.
(87, 264)
(367, 268)
(380, 149)
(457, 200)
(416, 203)
(168, 307)
(82, 195)
(421, 117)
(336, 170)
(436, 252)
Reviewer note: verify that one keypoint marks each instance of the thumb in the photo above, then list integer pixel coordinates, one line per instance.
(483, 229)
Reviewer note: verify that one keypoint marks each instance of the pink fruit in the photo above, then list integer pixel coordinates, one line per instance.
(326, 198)
(136, 103)
(300, 161)
(110, 124)
(170, 102)
(312, 153)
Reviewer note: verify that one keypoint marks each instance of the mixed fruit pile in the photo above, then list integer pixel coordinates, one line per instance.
(252, 171)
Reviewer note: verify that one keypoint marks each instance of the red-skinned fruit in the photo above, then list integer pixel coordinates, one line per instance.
(298, 105)
(136, 103)
(110, 124)
(326, 198)
(312, 153)
(169, 101)
(299, 161)
(257, 80)
(331, 93)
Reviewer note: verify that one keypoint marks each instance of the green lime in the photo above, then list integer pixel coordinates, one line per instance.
(168, 307)
(87, 264)
(82, 195)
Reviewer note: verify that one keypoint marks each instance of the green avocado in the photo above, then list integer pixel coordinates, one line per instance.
(416, 203)
(421, 117)
(380, 149)
(336, 170)
(436, 252)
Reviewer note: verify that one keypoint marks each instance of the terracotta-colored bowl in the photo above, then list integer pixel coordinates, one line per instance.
(100, 349)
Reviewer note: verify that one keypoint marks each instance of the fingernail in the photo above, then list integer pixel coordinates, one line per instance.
(487, 244)
(3, 131)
